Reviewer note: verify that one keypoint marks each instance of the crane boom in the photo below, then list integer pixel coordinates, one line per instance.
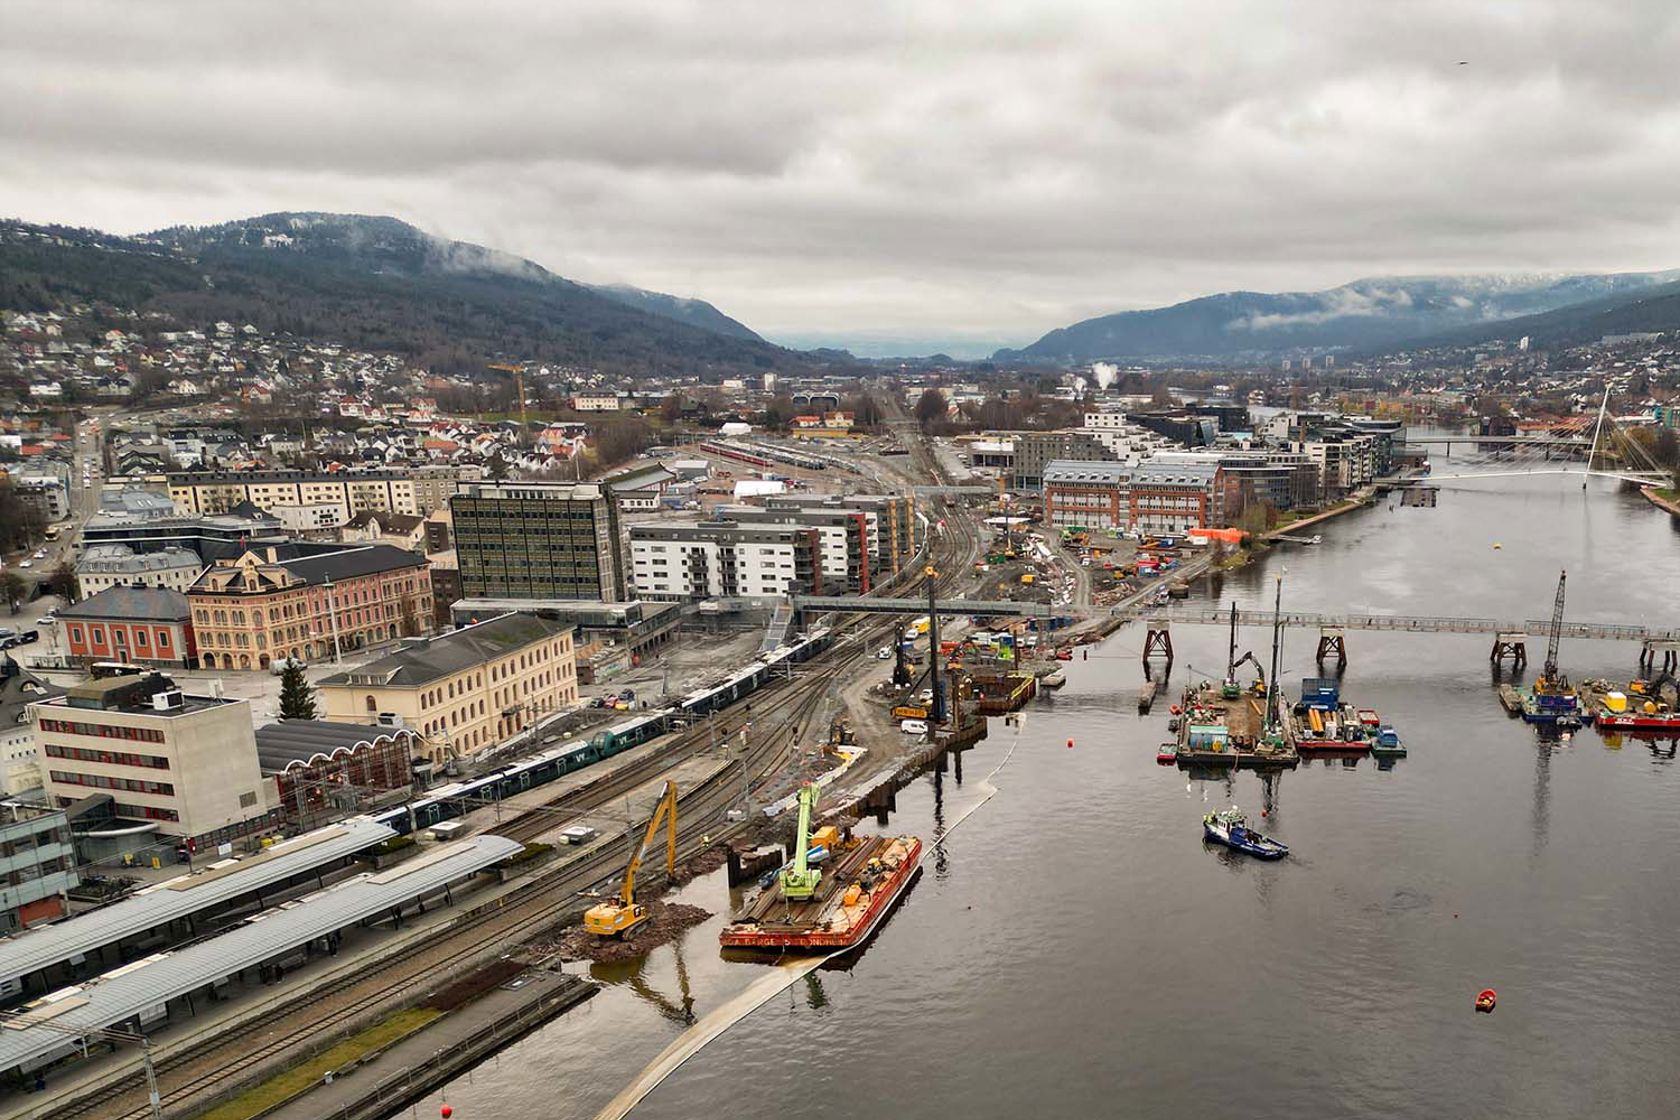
(1555, 634)
(621, 915)
(666, 811)
(800, 880)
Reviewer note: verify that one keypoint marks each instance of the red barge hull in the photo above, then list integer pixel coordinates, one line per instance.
(1627, 721)
(819, 936)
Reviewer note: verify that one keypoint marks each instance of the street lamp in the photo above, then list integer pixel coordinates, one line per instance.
(332, 615)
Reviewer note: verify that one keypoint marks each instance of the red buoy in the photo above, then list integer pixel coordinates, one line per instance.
(1070, 744)
(1486, 999)
(446, 1112)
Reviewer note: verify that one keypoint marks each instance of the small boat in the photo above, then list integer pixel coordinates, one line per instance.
(1054, 679)
(1063, 654)
(1387, 744)
(1167, 754)
(1486, 1000)
(1230, 828)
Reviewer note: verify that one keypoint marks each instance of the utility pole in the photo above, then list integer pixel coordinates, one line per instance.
(938, 710)
(1273, 688)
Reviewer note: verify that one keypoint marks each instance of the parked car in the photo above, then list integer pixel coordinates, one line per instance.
(27, 564)
(884, 653)
(914, 727)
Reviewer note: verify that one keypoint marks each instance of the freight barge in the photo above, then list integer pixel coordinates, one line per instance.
(859, 886)
(1321, 723)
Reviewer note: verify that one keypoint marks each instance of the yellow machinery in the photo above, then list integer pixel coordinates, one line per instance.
(620, 916)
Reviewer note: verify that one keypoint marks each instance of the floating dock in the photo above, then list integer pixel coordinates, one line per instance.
(1216, 729)
(1146, 697)
(855, 893)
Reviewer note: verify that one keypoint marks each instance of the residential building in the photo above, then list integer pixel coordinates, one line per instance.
(1185, 428)
(1086, 494)
(185, 764)
(417, 491)
(20, 755)
(892, 523)
(399, 530)
(1172, 497)
(47, 493)
(1035, 450)
(675, 561)
(265, 604)
(1346, 460)
(849, 539)
(1280, 480)
(133, 625)
(466, 690)
(538, 540)
(595, 402)
(37, 865)
(118, 565)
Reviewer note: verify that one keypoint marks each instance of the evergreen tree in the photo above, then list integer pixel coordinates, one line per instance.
(297, 695)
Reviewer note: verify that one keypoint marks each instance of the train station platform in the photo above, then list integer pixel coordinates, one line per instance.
(47, 956)
(148, 991)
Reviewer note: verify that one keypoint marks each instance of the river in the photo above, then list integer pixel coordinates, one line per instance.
(1073, 949)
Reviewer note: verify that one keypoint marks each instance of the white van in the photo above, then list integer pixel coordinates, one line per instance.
(914, 727)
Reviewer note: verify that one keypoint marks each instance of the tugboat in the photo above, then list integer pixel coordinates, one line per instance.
(1387, 744)
(1230, 828)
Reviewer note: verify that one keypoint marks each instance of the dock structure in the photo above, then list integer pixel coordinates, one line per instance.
(146, 990)
(1157, 642)
(1648, 651)
(176, 909)
(1511, 644)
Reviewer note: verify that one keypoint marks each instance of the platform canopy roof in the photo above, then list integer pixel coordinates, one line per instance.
(49, 1026)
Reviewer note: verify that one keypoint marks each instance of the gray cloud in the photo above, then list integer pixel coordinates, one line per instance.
(930, 171)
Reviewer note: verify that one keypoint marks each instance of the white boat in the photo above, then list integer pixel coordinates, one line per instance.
(1053, 679)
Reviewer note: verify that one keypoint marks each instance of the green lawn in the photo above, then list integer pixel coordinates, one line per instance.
(283, 1087)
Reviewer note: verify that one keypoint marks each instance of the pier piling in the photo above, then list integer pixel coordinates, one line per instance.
(1332, 643)
(1513, 646)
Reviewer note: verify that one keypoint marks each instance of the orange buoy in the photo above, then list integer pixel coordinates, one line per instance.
(1174, 709)
(1486, 999)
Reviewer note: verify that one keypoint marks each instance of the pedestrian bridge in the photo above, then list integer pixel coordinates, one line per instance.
(1214, 616)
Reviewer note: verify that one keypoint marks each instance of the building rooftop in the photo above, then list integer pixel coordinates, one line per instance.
(540, 491)
(125, 992)
(349, 563)
(305, 742)
(173, 899)
(151, 604)
(18, 689)
(425, 660)
(1079, 470)
(119, 559)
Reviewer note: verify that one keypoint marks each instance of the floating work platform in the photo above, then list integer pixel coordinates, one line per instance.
(855, 893)
(1510, 699)
(1216, 729)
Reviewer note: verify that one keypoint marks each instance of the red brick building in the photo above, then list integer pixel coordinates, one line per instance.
(140, 625)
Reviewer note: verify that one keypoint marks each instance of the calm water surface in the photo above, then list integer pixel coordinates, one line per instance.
(1075, 950)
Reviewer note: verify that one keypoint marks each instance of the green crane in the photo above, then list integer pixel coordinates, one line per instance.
(800, 881)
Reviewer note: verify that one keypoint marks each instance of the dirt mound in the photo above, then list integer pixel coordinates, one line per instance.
(666, 920)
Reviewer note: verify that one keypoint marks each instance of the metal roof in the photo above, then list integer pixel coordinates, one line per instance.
(127, 991)
(432, 659)
(153, 906)
(304, 742)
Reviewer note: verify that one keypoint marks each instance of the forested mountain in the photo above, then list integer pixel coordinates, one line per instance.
(1366, 314)
(376, 283)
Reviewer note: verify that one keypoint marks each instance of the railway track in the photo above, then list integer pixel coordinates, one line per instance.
(193, 1078)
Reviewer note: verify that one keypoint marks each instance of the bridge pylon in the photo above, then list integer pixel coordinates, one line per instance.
(1157, 642)
(1648, 650)
(1510, 644)
(1332, 642)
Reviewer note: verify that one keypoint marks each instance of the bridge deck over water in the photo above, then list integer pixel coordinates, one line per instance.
(1213, 616)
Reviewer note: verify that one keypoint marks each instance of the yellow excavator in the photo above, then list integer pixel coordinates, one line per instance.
(620, 916)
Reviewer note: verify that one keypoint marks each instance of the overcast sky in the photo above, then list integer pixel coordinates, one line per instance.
(890, 177)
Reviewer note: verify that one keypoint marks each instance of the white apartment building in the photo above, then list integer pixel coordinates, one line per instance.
(678, 562)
